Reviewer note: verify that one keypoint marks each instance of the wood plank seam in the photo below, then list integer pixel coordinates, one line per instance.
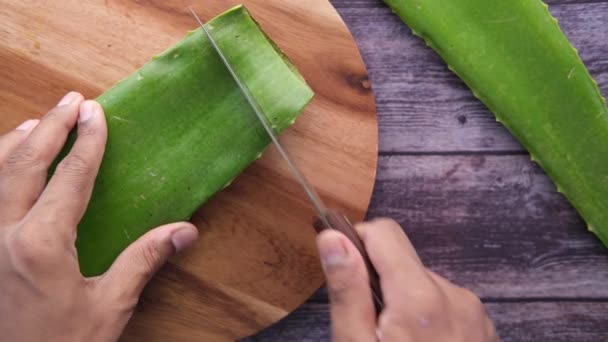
(453, 153)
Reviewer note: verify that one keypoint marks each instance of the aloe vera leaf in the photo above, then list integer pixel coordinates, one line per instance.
(180, 130)
(516, 60)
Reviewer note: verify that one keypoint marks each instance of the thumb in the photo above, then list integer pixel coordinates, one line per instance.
(136, 265)
(352, 310)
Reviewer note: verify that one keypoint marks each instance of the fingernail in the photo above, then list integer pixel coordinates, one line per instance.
(332, 252)
(68, 98)
(27, 125)
(87, 110)
(184, 238)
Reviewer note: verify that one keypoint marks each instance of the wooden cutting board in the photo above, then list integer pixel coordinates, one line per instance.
(256, 259)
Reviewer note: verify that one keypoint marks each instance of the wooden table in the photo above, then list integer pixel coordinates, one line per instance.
(476, 208)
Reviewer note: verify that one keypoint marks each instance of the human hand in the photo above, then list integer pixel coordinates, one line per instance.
(419, 305)
(43, 296)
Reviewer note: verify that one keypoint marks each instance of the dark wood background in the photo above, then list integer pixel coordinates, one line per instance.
(477, 209)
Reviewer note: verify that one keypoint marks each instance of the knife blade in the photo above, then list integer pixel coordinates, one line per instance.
(326, 218)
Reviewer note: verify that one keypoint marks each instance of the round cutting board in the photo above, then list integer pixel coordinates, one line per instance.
(256, 259)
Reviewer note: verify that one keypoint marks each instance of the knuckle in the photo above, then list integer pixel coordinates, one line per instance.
(25, 157)
(337, 290)
(385, 224)
(473, 305)
(430, 305)
(120, 301)
(31, 253)
(424, 305)
(393, 318)
(61, 114)
(338, 298)
(490, 330)
(151, 258)
(88, 131)
(389, 224)
(125, 308)
(467, 297)
(124, 303)
(385, 221)
(475, 301)
(380, 223)
(50, 218)
(342, 286)
(74, 165)
(472, 310)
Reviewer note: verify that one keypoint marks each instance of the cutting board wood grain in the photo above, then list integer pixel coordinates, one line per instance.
(256, 259)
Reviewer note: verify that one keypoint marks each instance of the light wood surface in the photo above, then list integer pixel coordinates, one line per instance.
(476, 208)
(256, 260)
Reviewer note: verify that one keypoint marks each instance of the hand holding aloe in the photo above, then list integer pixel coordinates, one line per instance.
(47, 298)
(43, 296)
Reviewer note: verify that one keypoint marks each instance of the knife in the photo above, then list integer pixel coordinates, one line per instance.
(326, 218)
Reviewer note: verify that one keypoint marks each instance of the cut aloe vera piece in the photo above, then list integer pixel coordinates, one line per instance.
(180, 130)
(515, 58)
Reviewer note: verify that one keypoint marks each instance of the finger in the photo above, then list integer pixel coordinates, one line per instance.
(352, 310)
(12, 139)
(491, 334)
(471, 311)
(401, 272)
(69, 190)
(384, 229)
(23, 175)
(135, 266)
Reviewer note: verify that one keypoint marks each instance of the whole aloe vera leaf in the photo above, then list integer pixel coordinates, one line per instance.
(515, 58)
(180, 130)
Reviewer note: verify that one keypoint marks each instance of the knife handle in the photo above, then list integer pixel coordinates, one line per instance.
(340, 222)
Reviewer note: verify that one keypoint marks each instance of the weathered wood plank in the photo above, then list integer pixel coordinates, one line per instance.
(422, 106)
(518, 322)
(492, 223)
